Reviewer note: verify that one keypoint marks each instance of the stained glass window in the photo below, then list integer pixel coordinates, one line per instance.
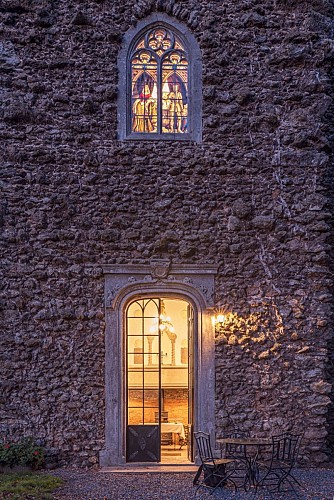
(159, 84)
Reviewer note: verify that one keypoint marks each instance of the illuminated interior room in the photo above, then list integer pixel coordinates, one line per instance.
(158, 373)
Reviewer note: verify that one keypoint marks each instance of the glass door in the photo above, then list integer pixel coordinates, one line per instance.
(159, 380)
(143, 381)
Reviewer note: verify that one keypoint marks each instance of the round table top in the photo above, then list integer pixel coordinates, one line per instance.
(244, 441)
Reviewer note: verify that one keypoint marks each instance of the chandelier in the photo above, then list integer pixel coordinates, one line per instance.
(165, 323)
(166, 326)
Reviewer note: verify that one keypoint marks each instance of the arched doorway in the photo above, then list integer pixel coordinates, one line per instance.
(159, 379)
(191, 287)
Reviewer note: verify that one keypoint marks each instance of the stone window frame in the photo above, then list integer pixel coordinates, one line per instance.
(194, 75)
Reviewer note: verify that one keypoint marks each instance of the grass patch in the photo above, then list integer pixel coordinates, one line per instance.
(19, 486)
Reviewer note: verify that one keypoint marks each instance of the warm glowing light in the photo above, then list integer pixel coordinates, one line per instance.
(166, 325)
(220, 318)
(260, 331)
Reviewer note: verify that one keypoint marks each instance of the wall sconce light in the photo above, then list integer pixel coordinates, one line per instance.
(220, 319)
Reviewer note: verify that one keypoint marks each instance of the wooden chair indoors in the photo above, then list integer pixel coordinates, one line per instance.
(185, 441)
(166, 437)
(164, 416)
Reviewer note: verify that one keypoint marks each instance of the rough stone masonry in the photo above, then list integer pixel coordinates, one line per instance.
(255, 196)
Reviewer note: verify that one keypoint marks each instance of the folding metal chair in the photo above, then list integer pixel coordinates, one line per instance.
(217, 472)
(238, 453)
(278, 470)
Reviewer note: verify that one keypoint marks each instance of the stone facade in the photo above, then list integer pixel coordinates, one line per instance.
(255, 197)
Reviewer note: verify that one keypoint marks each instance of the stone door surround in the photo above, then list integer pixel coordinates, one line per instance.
(125, 283)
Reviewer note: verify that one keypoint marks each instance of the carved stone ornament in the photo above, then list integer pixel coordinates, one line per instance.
(111, 292)
(208, 293)
(160, 268)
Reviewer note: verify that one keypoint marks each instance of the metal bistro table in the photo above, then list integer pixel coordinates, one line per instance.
(251, 448)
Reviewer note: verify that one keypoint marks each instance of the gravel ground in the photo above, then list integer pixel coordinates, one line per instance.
(94, 485)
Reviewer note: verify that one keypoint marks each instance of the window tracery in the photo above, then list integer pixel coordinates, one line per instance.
(159, 84)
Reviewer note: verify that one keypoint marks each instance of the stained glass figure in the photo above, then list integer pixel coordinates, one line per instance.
(159, 84)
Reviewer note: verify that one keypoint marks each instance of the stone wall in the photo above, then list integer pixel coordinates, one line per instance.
(328, 180)
(254, 197)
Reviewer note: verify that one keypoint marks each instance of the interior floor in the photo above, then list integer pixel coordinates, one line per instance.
(171, 454)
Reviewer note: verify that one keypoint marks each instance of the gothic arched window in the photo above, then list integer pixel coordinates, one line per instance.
(160, 92)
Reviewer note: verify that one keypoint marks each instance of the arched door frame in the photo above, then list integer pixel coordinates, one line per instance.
(124, 284)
